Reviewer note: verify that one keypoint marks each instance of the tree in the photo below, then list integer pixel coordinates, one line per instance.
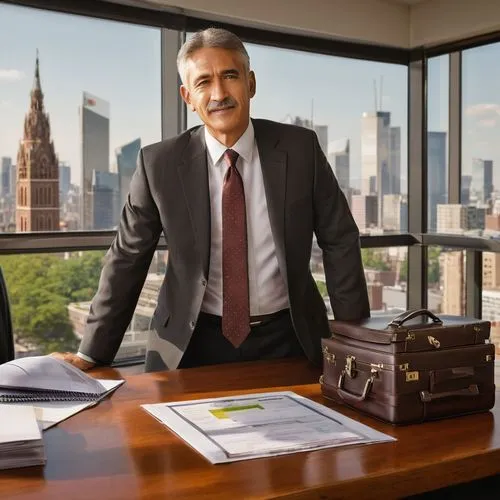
(40, 287)
(373, 259)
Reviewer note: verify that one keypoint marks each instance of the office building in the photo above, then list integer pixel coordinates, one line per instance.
(481, 186)
(491, 271)
(105, 199)
(436, 175)
(5, 176)
(364, 210)
(465, 189)
(94, 128)
(456, 218)
(380, 157)
(394, 161)
(338, 158)
(64, 179)
(322, 133)
(37, 169)
(395, 216)
(452, 275)
(126, 161)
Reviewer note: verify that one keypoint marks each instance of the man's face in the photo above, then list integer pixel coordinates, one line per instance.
(219, 88)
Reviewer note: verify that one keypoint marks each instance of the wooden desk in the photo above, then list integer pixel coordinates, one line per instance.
(118, 451)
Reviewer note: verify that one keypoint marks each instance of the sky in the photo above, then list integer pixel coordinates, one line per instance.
(121, 63)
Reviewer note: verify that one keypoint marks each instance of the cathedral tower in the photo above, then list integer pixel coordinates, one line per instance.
(37, 169)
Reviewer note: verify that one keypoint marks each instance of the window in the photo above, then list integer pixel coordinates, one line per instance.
(481, 165)
(359, 112)
(102, 105)
(480, 149)
(50, 297)
(440, 217)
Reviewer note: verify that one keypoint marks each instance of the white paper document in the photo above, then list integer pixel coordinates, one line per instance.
(21, 443)
(50, 413)
(260, 425)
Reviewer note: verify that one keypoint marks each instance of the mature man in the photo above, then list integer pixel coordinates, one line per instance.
(238, 200)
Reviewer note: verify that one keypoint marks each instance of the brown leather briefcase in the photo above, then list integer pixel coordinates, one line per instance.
(410, 368)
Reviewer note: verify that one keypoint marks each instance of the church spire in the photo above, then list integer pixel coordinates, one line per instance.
(36, 81)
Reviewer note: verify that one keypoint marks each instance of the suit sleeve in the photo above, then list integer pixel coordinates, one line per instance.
(124, 271)
(338, 238)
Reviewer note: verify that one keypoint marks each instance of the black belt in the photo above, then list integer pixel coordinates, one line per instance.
(254, 320)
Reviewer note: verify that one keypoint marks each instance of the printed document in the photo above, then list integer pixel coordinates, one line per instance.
(260, 425)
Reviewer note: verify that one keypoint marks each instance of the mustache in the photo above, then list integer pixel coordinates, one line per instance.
(228, 102)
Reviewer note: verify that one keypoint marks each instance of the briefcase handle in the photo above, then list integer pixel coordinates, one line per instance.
(413, 313)
(349, 396)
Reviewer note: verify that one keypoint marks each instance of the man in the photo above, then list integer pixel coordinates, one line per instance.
(238, 200)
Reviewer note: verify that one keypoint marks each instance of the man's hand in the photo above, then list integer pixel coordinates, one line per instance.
(73, 359)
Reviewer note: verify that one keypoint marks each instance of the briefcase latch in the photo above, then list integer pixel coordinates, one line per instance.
(434, 341)
(328, 356)
(350, 366)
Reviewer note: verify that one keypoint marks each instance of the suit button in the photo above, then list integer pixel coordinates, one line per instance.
(204, 282)
(192, 325)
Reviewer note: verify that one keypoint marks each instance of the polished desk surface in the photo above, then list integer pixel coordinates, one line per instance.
(117, 450)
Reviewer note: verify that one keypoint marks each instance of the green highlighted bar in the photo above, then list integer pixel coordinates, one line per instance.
(222, 412)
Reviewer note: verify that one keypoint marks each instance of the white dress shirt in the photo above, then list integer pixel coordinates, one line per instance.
(267, 290)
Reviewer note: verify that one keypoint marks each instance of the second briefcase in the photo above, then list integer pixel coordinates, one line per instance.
(411, 368)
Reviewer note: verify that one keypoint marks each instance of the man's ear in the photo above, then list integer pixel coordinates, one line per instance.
(252, 83)
(186, 96)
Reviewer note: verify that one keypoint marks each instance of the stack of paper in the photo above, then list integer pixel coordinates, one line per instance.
(45, 378)
(21, 442)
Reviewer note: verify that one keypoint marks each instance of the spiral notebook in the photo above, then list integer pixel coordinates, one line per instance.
(45, 378)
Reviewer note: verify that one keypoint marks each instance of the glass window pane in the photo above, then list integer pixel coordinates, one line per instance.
(437, 144)
(481, 165)
(386, 271)
(480, 152)
(50, 297)
(359, 112)
(75, 106)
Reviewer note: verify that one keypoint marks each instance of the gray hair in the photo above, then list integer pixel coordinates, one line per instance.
(213, 38)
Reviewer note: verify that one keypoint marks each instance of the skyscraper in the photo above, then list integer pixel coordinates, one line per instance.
(338, 157)
(482, 180)
(436, 175)
(64, 179)
(37, 169)
(394, 160)
(465, 189)
(105, 199)
(5, 173)
(380, 157)
(126, 161)
(94, 126)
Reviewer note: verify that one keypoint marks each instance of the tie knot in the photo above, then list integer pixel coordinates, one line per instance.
(231, 157)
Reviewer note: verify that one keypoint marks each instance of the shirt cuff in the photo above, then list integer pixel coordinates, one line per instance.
(86, 358)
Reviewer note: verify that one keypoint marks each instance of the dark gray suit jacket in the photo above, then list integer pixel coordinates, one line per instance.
(169, 192)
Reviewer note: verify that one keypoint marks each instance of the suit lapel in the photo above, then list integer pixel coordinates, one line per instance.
(274, 169)
(194, 178)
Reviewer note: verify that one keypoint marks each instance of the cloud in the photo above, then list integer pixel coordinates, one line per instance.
(487, 123)
(480, 110)
(11, 75)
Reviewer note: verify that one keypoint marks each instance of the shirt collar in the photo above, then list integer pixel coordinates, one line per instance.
(243, 146)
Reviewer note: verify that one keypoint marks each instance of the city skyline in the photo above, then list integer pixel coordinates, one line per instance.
(333, 91)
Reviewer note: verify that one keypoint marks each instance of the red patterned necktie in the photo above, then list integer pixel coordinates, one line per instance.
(235, 301)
